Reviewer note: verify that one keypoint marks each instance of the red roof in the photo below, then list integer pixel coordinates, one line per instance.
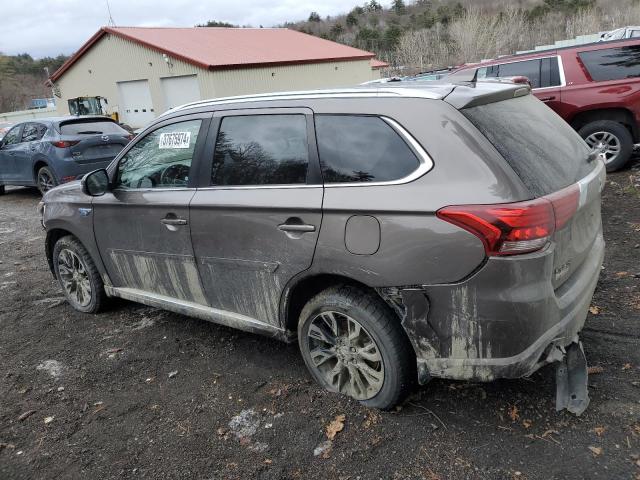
(225, 48)
(375, 63)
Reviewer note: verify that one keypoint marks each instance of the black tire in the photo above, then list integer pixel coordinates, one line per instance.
(45, 172)
(2, 190)
(382, 326)
(97, 296)
(622, 136)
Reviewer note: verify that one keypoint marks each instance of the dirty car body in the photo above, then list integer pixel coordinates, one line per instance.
(467, 216)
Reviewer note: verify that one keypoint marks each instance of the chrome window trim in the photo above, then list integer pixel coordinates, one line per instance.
(425, 164)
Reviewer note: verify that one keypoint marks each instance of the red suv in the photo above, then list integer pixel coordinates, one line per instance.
(595, 87)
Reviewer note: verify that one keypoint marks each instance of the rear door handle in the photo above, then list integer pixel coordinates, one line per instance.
(292, 227)
(547, 99)
(173, 221)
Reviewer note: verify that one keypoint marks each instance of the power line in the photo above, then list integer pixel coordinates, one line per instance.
(111, 22)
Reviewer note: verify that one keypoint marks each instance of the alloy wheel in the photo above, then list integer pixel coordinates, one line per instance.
(345, 355)
(45, 181)
(607, 143)
(74, 277)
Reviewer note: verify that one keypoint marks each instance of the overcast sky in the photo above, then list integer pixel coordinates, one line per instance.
(51, 27)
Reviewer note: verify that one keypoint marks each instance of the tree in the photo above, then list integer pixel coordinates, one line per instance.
(358, 10)
(351, 20)
(337, 30)
(215, 23)
(373, 6)
(314, 17)
(399, 7)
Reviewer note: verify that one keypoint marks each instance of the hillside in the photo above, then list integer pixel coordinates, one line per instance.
(23, 78)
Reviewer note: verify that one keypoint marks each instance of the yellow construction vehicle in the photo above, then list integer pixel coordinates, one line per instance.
(90, 106)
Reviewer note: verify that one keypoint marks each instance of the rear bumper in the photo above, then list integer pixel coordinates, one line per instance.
(69, 168)
(503, 321)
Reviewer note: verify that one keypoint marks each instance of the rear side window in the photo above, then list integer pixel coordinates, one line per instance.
(612, 63)
(261, 150)
(33, 132)
(105, 127)
(358, 148)
(541, 73)
(545, 152)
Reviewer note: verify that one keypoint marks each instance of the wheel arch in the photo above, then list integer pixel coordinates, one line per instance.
(299, 292)
(620, 115)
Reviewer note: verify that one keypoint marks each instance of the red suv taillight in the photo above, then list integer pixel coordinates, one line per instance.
(65, 143)
(514, 228)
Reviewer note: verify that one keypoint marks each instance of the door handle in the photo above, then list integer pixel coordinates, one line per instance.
(173, 221)
(299, 228)
(547, 99)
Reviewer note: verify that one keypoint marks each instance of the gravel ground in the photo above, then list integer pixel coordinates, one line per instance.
(137, 392)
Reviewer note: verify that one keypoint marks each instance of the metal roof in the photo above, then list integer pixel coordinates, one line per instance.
(227, 48)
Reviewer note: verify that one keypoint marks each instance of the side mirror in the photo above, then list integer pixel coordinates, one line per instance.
(95, 183)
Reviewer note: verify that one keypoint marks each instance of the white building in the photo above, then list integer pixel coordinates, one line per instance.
(144, 71)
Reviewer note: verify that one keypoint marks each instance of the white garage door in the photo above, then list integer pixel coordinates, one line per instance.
(180, 90)
(136, 107)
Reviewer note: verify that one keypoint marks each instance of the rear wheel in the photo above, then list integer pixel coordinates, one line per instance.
(2, 190)
(45, 180)
(353, 344)
(613, 138)
(78, 275)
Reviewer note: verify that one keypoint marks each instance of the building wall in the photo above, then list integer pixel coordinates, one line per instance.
(113, 59)
(22, 115)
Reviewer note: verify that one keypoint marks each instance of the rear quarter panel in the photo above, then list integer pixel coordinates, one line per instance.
(415, 246)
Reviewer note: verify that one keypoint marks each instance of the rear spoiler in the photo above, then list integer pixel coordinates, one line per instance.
(471, 94)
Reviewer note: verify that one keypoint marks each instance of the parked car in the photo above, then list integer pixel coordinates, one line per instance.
(595, 87)
(50, 151)
(4, 128)
(398, 233)
(620, 33)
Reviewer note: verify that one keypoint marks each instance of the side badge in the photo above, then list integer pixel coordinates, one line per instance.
(84, 212)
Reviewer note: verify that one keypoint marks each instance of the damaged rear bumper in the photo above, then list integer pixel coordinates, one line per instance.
(505, 321)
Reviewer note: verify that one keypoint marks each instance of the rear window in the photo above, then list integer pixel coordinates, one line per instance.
(612, 63)
(545, 152)
(100, 127)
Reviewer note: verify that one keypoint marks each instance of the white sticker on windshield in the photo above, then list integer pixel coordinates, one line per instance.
(175, 140)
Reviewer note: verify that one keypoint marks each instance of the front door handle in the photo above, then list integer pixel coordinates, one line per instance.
(298, 228)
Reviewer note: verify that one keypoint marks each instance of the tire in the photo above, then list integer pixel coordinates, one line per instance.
(613, 134)
(45, 185)
(395, 371)
(2, 190)
(73, 266)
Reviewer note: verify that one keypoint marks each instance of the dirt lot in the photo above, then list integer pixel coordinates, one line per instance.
(141, 393)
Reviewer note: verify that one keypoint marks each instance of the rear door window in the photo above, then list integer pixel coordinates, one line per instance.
(106, 127)
(612, 63)
(528, 68)
(33, 132)
(545, 152)
(261, 150)
(358, 148)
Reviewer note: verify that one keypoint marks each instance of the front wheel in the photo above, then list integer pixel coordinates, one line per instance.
(45, 180)
(613, 139)
(78, 275)
(352, 343)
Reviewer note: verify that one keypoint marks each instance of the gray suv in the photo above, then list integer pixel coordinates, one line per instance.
(398, 233)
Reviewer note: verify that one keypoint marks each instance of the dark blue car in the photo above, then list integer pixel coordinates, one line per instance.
(50, 151)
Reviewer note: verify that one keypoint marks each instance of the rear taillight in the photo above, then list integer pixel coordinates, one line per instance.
(514, 228)
(65, 143)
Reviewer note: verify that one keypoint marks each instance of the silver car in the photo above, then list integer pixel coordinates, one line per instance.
(397, 233)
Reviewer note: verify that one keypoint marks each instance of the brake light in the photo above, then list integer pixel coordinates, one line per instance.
(565, 204)
(514, 228)
(65, 143)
